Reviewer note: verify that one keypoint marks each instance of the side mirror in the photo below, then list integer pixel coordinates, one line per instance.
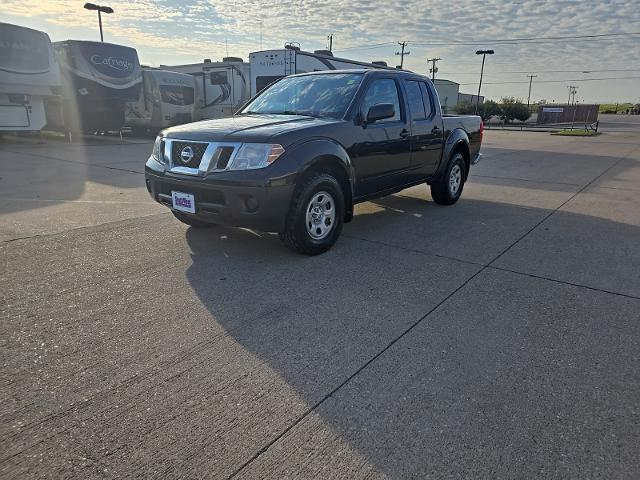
(380, 112)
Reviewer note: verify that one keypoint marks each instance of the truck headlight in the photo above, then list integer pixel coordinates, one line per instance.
(256, 155)
(157, 153)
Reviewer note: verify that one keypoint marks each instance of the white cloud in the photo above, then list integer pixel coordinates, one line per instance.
(166, 31)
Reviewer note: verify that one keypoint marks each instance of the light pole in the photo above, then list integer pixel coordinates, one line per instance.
(531, 77)
(484, 53)
(100, 9)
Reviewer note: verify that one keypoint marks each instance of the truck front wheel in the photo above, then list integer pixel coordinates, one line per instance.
(316, 215)
(448, 188)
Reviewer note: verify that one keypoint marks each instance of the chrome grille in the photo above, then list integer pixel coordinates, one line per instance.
(179, 151)
(207, 156)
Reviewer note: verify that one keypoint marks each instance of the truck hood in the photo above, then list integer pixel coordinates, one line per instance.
(244, 128)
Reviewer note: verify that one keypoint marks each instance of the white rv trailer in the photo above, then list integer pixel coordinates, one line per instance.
(29, 76)
(221, 87)
(98, 79)
(267, 66)
(166, 99)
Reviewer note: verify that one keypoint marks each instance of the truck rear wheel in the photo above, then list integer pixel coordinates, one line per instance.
(316, 215)
(191, 221)
(448, 188)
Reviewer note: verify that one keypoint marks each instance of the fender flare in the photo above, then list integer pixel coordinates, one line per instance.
(456, 138)
(316, 151)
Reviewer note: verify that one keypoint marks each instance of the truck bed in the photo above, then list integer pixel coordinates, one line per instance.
(472, 126)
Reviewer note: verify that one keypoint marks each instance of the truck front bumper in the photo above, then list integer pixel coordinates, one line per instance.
(224, 199)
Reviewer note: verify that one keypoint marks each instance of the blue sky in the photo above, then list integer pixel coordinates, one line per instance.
(172, 32)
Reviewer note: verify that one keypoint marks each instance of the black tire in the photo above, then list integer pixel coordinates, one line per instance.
(191, 221)
(442, 190)
(296, 234)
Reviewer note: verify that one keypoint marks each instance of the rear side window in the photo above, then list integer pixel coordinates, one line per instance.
(264, 81)
(416, 101)
(427, 98)
(383, 90)
(218, 78)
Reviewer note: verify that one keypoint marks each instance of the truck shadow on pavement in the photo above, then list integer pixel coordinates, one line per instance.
(471, 389)
(41, 175)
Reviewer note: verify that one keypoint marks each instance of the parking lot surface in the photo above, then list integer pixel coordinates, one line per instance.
(496, 338)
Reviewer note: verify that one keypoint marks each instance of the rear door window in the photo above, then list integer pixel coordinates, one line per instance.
(415, 100)
(427, 98)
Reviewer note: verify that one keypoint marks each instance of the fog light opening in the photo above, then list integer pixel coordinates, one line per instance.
(251, 203)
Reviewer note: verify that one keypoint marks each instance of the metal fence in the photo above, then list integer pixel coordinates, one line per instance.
(567, 114)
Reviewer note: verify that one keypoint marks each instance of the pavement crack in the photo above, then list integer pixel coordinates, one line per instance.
(557, 209)
(563, 282)
(66, 160)
(84, 227)
(331, 394)
(266, 447)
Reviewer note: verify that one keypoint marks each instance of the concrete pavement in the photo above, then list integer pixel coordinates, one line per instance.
(497, 338)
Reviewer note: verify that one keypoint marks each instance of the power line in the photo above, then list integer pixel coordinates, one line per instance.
(367, 47)
(584, 70)
(557, 81)
(506, 41)
(533, 39)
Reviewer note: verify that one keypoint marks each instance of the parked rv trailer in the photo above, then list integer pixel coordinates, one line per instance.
(29, 76)
(98, 79)
(166, 99)
(267, 66)
(221, 87)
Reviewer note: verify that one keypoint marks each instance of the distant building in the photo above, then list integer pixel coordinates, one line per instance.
(469, 97)
(448, 93)
(450, 96)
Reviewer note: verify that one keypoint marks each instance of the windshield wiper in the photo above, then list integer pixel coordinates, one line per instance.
(290, 112)
(283, 112)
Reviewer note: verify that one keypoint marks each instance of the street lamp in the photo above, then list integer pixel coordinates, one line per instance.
(484, 53)
(99, 8)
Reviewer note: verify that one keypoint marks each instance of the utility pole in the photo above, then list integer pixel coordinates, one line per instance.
(402, 53)
(433, 70)
(330, 38)
(531, 77)
(573, 89)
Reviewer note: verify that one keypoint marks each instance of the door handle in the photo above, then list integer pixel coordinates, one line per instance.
(435, 129)
(404, 133)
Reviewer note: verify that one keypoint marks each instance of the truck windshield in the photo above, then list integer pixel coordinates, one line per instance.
(316, 95)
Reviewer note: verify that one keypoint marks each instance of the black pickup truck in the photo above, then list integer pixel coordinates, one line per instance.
(301, 153)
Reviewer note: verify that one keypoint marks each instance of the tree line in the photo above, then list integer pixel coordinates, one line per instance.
(508, 109)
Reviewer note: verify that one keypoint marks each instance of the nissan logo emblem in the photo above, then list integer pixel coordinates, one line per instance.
(186, 154)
